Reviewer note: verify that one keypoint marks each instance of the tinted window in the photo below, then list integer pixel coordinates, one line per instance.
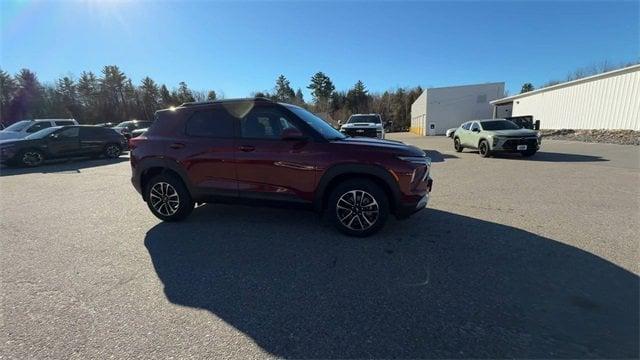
(466, 126)
(499, 125)
(264, 124)
(69, 132)
(19, 126)
(319, 125)
(475, 126)
(39, 126)
(64, 123)
(95, 132)
(364, 119)
(141, 124)
(210, 123)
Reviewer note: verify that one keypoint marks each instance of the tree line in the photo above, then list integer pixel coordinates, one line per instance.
(111, 96)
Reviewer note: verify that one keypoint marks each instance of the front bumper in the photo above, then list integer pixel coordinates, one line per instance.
(515, 144)
(418, 203)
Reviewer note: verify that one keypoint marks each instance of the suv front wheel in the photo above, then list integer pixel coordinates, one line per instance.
(358, 207)
(168, 198)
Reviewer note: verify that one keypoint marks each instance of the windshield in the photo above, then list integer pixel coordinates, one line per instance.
(43, 133)
(123, 124)
(364, 119)
(499, 125)
(19, 126)
(319, 125)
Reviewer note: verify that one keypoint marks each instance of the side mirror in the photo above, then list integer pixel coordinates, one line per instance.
(291, 133)
(536, 125)
(339, 122)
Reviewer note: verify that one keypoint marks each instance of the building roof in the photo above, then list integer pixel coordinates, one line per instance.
(625, 70)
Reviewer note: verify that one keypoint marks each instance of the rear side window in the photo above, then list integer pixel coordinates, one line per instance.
(95, 132)
(216, 123)
(39, 126)
(64, 123)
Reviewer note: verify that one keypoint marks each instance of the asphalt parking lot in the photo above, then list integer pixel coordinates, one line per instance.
(513, 258)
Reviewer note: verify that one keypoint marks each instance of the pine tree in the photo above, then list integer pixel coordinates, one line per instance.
(321, 89)
(29, 95)
(166, 100)
(526, 87)
(299, 97)
(7, 90)
(150, 97)
(211, 96)
(183, 94)
(358, 98)
(283, 91)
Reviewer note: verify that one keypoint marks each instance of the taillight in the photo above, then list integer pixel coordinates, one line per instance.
(133, 143)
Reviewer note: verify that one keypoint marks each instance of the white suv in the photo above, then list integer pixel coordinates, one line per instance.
(23, 128)
(368, 125)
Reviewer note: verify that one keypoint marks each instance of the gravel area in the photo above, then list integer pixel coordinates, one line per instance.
(623, 137)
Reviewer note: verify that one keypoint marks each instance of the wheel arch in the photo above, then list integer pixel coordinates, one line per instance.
(339, 173)
(152, 167)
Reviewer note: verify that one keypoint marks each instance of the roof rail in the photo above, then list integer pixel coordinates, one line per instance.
(194, 103)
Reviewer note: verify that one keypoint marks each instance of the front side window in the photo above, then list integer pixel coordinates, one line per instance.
(466, 126)
(68, 133)
(327, 131)
(264, 124)
(216, 123)
(475, 126)
(39, 126)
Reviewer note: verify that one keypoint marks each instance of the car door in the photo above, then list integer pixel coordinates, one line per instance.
(64, 142)
(473, 135)
(270, 167)
(463, 132)
(207, 151)
(92, 140)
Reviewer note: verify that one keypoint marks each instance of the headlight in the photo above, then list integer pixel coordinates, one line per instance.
(421, 160)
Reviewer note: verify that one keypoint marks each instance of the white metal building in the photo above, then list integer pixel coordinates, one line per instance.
(439, 109)
(609, 100)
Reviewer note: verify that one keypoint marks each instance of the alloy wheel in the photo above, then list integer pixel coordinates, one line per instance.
(113, 151)
(357, 210)
(32, 158)
(164, 198)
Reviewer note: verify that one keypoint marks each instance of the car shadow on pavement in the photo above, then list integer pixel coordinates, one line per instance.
(436, 285)
(437, 156)
(57, 166)
(546, 156)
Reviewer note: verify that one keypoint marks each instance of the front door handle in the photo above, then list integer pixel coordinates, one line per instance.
(176, 145)
(247, 148)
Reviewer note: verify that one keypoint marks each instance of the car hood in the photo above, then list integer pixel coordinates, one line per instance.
(389, 145)
(6, 135)
(361, 125)
(517, 132)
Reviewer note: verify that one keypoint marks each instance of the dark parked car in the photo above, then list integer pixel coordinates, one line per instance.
(126, 128)
(62, 142)
(256, 150)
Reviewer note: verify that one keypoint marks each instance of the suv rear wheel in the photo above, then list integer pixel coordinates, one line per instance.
(112, 151)
(358, 207)
(168, 198)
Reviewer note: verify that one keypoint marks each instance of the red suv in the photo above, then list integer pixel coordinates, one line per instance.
(260, 151)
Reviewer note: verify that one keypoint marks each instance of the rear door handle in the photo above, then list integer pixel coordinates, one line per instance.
(176, 145)
(247, 148)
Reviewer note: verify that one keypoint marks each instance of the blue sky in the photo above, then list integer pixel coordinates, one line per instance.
(242, 47)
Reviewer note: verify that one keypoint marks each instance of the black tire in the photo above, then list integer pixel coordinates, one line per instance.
(31, 158)
(358, 192)
(165, 209)
(529, 153)
(483, 149)
(457, 145)
(112, 151)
